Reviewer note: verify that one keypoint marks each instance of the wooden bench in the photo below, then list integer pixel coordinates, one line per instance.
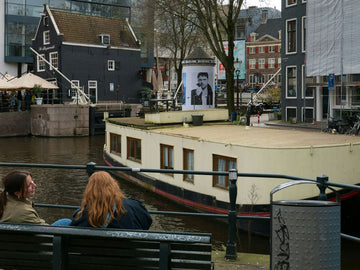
(28, 246)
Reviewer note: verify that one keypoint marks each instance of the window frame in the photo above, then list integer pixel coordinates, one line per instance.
(303, 34)
(252, 63)
(290, 3)
(261, 63)
(188, 177)
(170, 157)
(41, 64)
(271, 62)
(46, 37)
(215, 169)
(52, 60)
(115, 149)
(111, 65)
(74, 90)
(132, 151)
(294, 35)
(287, 82)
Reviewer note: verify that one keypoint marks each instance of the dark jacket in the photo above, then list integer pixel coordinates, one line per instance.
(136, 217)
(197, 99)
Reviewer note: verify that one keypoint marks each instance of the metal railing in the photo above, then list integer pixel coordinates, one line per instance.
(321, 181)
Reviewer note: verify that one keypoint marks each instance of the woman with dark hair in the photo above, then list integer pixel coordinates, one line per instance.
(104, 205)
(15, 205)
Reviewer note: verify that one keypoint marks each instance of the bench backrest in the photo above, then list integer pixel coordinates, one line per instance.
(24, 246)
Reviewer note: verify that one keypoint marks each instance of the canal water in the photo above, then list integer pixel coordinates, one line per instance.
(65, 186)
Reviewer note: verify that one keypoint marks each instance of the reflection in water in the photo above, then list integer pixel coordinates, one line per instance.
(65, 186)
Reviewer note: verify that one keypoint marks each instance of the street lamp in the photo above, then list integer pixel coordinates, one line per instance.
(237, 72)
(237, 90)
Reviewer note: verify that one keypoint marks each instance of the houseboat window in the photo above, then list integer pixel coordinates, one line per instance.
(54, 60)
(115, 143)
(222, 163)
(46, 37)
(134, 149)
(166, 156)
(40, 63)
(111, 65)
(188, 162)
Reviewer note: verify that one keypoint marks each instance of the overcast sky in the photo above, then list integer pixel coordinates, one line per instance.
(263, 3)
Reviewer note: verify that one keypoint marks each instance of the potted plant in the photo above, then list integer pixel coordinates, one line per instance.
(37, 91)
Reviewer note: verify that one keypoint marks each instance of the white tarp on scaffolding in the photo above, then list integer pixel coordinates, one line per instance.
(332, 34)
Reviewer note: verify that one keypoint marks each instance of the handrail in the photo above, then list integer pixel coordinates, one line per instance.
(321, 182)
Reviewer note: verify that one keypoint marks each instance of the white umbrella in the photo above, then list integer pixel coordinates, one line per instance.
(7, 86)
(29, 80)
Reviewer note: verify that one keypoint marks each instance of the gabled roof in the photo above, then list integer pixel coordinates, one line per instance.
(270, 28)
(86, 29)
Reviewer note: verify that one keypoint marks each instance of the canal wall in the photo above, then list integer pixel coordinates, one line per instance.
(61, 120)
(14, 124)
(57, 120)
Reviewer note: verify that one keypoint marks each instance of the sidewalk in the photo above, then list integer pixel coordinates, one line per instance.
(244, 261)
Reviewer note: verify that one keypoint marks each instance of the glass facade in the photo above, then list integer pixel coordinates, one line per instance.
(22, 18)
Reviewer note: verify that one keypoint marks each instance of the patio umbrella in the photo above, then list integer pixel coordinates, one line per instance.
(29, 80)
(7, 86)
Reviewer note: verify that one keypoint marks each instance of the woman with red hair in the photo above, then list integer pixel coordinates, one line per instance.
(104, 205)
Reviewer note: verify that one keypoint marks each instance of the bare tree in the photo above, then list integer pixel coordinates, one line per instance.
(175, 33)
(215, 20)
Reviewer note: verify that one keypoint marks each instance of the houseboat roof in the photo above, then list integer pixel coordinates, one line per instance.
(254, 136)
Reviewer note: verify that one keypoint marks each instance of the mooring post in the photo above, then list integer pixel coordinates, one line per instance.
(231, 244)
(90, 168)
(322, 179)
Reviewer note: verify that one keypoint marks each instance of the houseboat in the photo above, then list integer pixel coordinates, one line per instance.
(170, 140)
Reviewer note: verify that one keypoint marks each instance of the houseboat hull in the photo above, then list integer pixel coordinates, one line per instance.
(257, 151)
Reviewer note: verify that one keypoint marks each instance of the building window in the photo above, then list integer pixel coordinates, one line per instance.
(269, 77)
(46, 37)
(166, 157)
(308, 115)
(54, 60)
(251, 80)
(290, 113)
(111, 65)
(40, 63)
(252, 63)
(303, 34)
(271, 62)
(291, 36)
(340, 95)
(46, 20)
(188, 163)
(355, 95)
(272, 49)
(252, 50)
(262, 63)
(290, 3)
(224, 164)
(291, 82)
(74, 85)
(133, 149)
(92, 91)
(115, 144)
(261, 49)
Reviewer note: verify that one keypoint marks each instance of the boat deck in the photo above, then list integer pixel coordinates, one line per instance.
(255, 136)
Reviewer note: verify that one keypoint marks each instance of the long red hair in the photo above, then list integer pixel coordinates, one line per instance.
(101, 194)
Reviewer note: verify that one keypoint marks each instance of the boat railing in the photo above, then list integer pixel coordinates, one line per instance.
(322, 182)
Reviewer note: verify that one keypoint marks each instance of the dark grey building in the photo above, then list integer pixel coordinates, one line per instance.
(98, 54)
(297, 100)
